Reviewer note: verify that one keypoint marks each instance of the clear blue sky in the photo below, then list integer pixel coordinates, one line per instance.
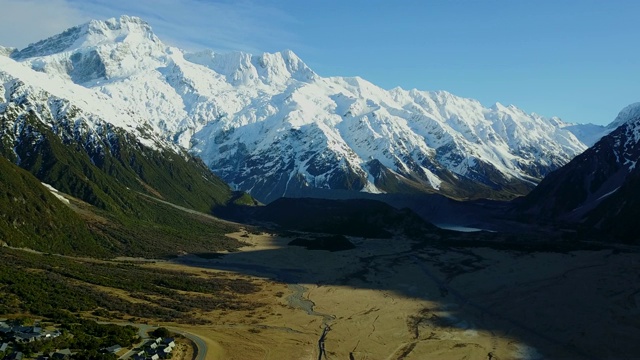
(575, 59)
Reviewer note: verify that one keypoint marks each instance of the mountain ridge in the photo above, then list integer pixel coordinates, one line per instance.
(267, 123)
(89, 157)
(597, 190)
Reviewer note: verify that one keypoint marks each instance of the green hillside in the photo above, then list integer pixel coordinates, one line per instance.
(111, 178)
(30, 216)
(102, 172)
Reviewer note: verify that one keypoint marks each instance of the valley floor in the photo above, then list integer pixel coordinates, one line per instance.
(384, 299)
(387, 299)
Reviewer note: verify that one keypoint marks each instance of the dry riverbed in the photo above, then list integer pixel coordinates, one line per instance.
(384, 300)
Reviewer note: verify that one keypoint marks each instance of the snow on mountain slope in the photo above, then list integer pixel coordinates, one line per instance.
(588, 134)
(598, 189)
(97, 51)
(629, 114)
(51, 94)
(269, 125)
(6, 51)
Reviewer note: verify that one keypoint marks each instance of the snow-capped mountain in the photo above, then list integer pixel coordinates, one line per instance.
(599, 188)
(270, 125)
(75, 139)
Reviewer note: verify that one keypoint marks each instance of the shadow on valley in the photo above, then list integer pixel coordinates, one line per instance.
(557, 299)
(374, 273)
(353, 217)
(309, 212)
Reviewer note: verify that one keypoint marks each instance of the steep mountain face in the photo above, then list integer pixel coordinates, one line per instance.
(269, 125)
(124, 179)
(597, 189)
(68, 144)
(99, 49)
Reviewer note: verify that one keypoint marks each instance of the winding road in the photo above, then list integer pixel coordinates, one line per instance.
(201, 346)
(143, 332)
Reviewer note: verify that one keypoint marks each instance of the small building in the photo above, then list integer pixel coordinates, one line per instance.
(22, 329)
(155, 357)
(26, 337)
(169, 342)
(113, 349)
(3, 347)
(158, 340)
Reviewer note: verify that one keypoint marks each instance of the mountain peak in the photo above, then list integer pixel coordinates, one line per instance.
(500, 107)
(96, 51)
(91, 34)
(289, 54)
(628, 114)
(267, 123)
(114, 28)
(244, 68)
